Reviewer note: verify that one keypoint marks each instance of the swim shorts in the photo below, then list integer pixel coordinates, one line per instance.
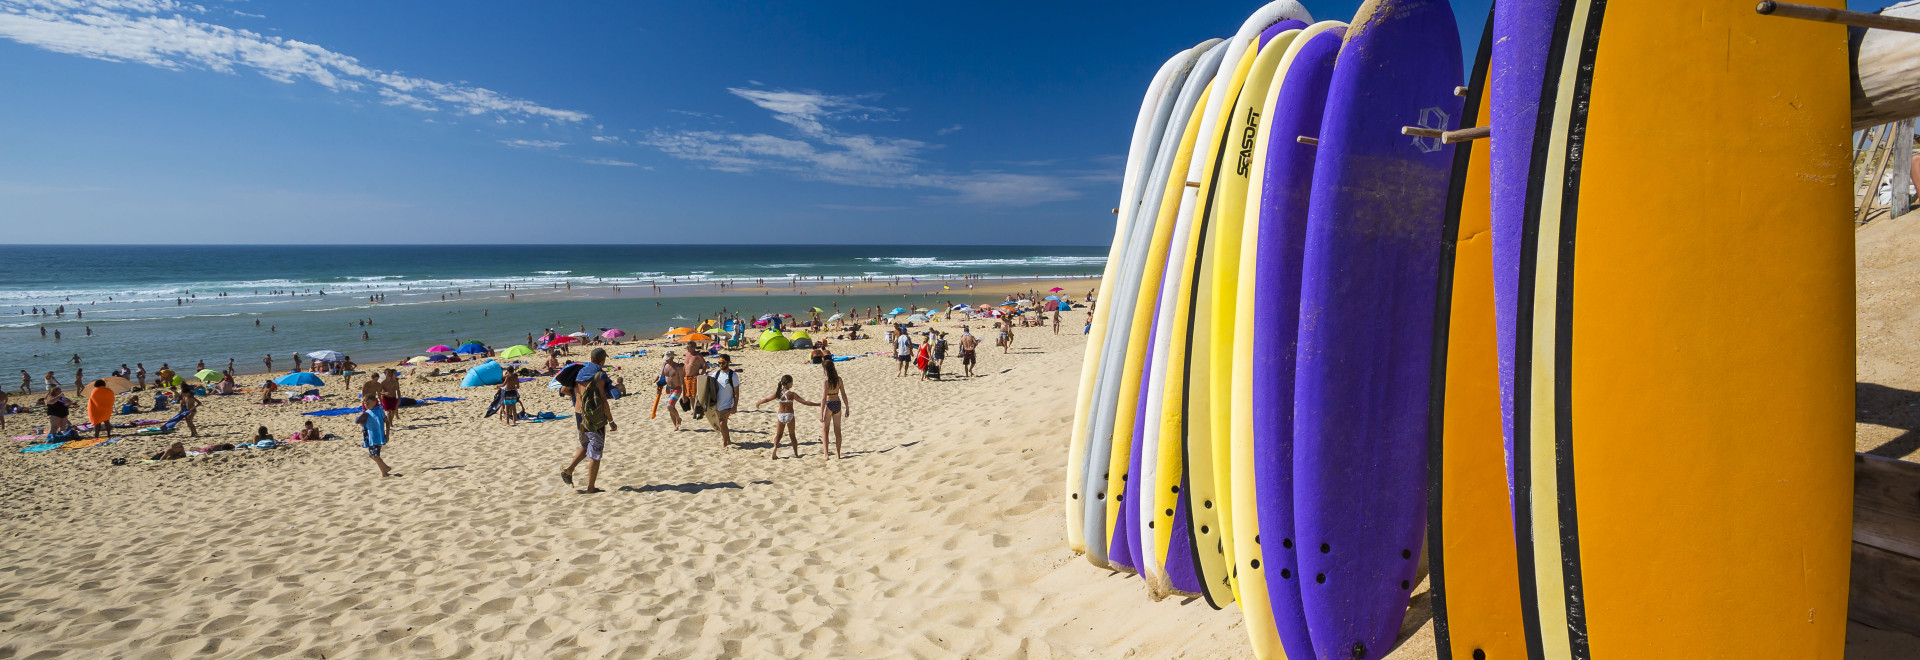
(594, 442)
(390, 404)
(374, 450)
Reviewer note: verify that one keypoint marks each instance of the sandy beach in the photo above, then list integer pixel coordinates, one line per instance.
(936, 535)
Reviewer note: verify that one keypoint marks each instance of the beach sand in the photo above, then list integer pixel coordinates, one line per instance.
(939, 534)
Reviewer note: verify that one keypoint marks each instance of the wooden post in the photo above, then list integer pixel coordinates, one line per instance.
(1882, 151)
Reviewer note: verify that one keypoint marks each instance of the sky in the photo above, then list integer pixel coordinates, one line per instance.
(432, 121)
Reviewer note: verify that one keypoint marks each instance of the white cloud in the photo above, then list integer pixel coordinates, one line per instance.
(534, 144)
(950, 130)
(158, 33)
(609, 161)
(817, 151)
(605, 138)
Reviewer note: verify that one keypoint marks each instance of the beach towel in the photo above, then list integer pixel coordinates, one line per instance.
(100, 405)
(442, 399)
(83, 444)
(333, 412)
(494, 407)
(43, 447)
(843, 358)
(159, 431)
(374, 429)
(175, 421)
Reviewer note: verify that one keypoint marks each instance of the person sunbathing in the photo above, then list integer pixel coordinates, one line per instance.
(308, 433)
(225, 387)
(177, 450)
(266, 392)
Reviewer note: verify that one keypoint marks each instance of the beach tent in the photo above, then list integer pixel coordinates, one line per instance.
(801, 340)
(299, 379)
(487, 373)
(515, 351)
(326, 356)
(801, 334)
(917, 318)
(471, 348)
(774, 341)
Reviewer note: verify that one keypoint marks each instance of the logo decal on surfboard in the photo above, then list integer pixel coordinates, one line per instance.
(1246, 142)
(1431, 118)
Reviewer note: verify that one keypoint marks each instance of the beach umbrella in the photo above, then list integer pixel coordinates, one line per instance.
(614, 333)
(671, 332)
(1008, 304)
(580, 335)
(207, 375)
(818, 309)
(442, 348)
(1023, 302)
(327, 356)
(693, 338)
(961, 307)
(835, 317)
(917, 318)
(516, 351)
(897, 311)
(562, 340)
(923, 309)
(1051, 298)
(117, 384)
(300, 379)
(1056, 289)
(421, 358)
(471, 348)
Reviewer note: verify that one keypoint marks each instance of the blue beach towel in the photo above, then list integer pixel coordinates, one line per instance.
(443, 399)
(375, 430)
(333, 412)
(40, 448)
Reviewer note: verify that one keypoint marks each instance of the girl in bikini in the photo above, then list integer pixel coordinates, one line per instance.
(783, 420)
(834, 406)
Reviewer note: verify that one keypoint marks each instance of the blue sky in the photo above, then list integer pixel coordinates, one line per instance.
(143, 121)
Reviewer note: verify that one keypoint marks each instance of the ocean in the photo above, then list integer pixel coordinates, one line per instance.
(183, 304)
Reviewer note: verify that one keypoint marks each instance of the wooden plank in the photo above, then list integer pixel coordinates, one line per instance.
(1886, 504)
(1885, 590)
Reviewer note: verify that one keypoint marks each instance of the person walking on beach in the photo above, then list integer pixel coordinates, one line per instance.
(594, 419)
(835, 406)
(373, 426)
(1056, 321)
(728, 382)
(100, 409)
(189, 409)
(509, 397)
(390, 399)
(783, 420)
(672, 384)
(693, 370)
(903, 349)
(26, 382)
(140, 370)
(967, 345)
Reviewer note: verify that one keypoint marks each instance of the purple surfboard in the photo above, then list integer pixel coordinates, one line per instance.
(1523, 33)
(1276, 301)
(1368, 290)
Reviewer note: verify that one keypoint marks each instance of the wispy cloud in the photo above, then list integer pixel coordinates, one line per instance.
(162, 33)
(816, 150)
(609, 161)
(861, 209)
(605, 138)
(950, 130)
(534, 144)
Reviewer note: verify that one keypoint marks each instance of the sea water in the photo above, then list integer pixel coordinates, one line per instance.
(183, 304)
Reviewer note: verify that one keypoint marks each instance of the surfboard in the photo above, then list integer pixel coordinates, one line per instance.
(1367, 309)
(1226, 214)
(1683, 372)
(1472, 572)
(1120, 547)
(1099, 443)
(1266, 320)
(1253, 112)
(1075, 507)
(1168, 566)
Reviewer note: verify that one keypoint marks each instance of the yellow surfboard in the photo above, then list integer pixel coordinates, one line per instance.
(1185, 411)
(1166, 210)
(1167, 456)
(1684, 378)
(1232, 449)
(1470, 550)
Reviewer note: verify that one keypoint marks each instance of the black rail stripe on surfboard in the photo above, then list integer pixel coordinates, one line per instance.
(1563, 341)
(1186, 364)
(1523, 336)
(1443, 316)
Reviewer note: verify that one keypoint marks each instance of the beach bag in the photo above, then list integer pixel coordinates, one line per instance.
(68, 435)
